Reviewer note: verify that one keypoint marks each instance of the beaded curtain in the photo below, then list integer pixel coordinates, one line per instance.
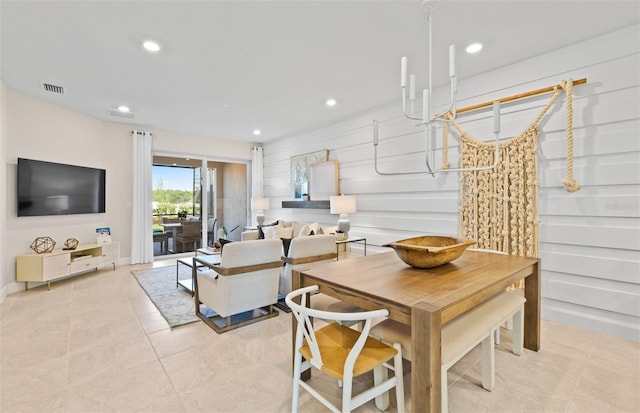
(499, 207)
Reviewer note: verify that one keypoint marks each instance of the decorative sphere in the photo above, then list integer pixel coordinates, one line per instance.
(71, 243)
(43, 244)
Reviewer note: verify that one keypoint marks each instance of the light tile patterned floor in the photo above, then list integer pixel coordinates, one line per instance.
(96, 343)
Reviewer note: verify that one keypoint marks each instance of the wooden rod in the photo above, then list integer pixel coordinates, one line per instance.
(518, 96)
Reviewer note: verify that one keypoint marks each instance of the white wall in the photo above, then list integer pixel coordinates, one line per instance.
(4, 263)
(32, 128)
(589, 240)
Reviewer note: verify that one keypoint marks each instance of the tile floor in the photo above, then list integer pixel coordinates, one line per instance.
(96, 343)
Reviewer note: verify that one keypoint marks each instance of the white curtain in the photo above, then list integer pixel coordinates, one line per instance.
(141, 209)
(257, 176)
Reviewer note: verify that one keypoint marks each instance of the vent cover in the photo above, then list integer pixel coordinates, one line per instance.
(48, 87)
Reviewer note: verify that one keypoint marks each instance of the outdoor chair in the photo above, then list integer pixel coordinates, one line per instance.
(163, 239)
(211, 230)
(188, 236)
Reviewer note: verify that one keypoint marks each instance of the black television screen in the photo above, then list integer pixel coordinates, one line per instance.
(48, 188)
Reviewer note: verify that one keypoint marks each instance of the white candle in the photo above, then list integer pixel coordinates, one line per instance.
(403, 72)
(426, 107)
(496, 117)
(412, 87)
(452, 60)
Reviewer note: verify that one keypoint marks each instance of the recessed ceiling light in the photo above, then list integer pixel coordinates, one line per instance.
(331, 102)
(123, 109)
(151, 46)
(256, 132)
(474, 48)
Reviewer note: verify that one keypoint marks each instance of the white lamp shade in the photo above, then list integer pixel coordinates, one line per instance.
(343, 204)
(259, 204)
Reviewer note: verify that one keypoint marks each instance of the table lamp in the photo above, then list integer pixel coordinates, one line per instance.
(343, 205)
(260, 204)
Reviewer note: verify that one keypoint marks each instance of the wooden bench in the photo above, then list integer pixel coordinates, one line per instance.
(463, 333)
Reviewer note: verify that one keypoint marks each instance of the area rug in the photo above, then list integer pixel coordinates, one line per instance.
(175, 303)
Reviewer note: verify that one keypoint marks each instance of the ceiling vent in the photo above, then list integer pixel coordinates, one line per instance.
(48, 87)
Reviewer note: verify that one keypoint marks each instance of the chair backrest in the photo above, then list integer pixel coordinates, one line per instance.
(312, 245)
(191, 229)
(303, 250)
(304, 316)
(247, 253)
(167, 220)
(211, 224)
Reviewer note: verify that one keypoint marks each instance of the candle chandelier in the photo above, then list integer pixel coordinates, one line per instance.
(429, 119)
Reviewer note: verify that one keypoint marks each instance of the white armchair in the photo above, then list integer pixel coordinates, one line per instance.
(246, 280)
(305, 250)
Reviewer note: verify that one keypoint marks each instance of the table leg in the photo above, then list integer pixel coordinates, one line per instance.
(532, 309)
(426, 330)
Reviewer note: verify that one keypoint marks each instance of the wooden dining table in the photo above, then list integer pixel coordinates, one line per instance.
(426, 299)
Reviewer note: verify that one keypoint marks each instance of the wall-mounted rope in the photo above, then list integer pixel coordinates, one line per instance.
(570, 184)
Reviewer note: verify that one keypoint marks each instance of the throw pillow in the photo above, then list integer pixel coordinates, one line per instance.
(261, 232)
(286, 243)
(315, 227)
(282, 232)
(304, 231)
(270, 232)
(297, 226)
(223, 242)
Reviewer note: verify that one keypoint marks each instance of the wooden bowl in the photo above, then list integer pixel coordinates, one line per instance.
(430, 250)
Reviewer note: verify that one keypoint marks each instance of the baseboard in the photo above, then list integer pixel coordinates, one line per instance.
(608, 323)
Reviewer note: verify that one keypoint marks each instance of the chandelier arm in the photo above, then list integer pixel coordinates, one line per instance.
(375, 157)
(427, 150)
(404, 106)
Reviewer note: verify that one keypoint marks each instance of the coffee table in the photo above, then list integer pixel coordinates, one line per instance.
(187, 283)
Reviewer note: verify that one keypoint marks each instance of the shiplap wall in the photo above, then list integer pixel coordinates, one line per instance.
(589, 240)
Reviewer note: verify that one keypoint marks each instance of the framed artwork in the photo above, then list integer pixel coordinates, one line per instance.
(323, 180)
(300, 171)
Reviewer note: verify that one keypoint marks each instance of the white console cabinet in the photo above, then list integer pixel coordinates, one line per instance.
(62, 263)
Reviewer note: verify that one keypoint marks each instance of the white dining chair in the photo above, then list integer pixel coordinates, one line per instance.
(343, 354)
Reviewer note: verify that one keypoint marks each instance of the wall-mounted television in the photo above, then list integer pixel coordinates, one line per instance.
(49, 188)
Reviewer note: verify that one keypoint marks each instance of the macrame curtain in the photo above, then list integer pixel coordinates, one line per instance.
(141, 209)
(499, 207)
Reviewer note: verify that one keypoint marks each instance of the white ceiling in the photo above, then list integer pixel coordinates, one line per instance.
(273, 63)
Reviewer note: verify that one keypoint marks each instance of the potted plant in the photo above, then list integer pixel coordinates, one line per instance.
(305, 197)
(340, 235)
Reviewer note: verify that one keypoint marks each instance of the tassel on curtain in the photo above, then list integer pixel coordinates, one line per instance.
(141, 213)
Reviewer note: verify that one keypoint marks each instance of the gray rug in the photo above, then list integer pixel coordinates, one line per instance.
(175, 303)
